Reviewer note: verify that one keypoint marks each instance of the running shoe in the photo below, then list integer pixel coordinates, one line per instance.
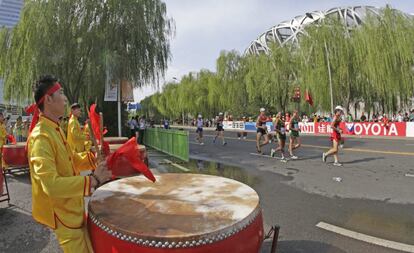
(341, 146)
(239, 138)
(294, 157)
(225, 143)
(283, 160)
(202, 143)
(324, 157)
(272, 152)
(337, 164)
(244, 138)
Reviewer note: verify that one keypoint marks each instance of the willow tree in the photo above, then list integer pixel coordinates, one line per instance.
(327, 55)
(271, 77)
(85, 44)
(384, 48)
(231, 70)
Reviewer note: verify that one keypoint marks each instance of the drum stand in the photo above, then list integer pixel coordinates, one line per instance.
(5, 196)
(274, 231)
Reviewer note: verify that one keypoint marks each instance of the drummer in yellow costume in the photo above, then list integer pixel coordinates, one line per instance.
(76, 137)
(57, 190)
(88, 143)
(3, 132)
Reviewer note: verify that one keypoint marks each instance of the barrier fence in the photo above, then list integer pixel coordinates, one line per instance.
(397, 129)
(172, 142)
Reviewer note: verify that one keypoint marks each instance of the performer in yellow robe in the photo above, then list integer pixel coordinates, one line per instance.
(88, 143)
(57, 189)
(3, 132)
(76, 137)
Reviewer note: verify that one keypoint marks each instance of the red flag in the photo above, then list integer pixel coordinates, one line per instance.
(308, 98)
(127, 160)
(95, 122)
(11, 139)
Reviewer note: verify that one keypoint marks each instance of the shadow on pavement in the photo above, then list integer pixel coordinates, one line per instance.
(301, 247)
(368, 159)
(20, 233)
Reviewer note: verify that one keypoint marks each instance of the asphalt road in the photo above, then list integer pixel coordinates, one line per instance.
(374, 197)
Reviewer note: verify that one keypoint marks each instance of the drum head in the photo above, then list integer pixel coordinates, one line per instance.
(115, 140)
(114, 147)
(176, 208)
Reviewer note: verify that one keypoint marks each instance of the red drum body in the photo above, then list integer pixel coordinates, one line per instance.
(15, 155)
(180, 213)
(116, 140)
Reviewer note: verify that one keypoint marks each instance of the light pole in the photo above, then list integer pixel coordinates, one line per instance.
(309, 15)
(176, 79)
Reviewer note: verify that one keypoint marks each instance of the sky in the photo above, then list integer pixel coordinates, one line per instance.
(203, 28)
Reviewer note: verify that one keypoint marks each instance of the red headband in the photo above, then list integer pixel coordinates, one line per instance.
(34, 108)
(49, 92)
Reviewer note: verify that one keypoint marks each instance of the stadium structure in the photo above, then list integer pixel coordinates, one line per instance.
(289, 31)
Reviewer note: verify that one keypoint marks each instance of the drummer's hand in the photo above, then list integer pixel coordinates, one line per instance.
(102, 172)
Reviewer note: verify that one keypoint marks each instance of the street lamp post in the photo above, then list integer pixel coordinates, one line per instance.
(330, 76)
(176, 79)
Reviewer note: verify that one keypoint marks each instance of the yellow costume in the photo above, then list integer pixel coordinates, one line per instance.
(76, 138)
(57, 189)
(3, 134)
(88, 143)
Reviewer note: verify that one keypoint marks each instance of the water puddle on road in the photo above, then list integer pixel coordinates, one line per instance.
(399, 228)
(216, 169)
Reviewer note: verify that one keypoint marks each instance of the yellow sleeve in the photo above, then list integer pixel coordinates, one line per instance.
(76, 132)
(84, 161)
(44, 164)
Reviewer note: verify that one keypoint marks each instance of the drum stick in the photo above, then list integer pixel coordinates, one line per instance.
(101, 130)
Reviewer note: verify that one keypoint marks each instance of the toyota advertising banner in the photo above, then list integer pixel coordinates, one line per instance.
(394, 129)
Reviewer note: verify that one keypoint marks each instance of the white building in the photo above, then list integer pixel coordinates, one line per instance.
(10, 12)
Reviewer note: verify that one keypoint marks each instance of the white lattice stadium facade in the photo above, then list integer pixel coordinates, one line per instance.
(290, 31)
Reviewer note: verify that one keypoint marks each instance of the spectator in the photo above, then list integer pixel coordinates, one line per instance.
(18, 129)
(133, 125)
(349, 118)
(166, 124)
(411, 118)
(406, 118)
(400, 117)
(363, 118)
(141, 130)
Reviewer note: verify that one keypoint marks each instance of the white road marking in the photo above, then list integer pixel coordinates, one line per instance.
(177, 165)
(409, 175)
(366, 238)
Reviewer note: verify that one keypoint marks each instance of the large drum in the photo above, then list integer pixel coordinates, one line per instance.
(142, 151)
(116, 140)
(186, 213)
(15, 155)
